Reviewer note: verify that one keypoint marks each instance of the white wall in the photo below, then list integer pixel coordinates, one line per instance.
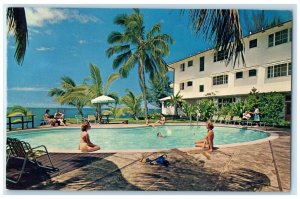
(258, 58)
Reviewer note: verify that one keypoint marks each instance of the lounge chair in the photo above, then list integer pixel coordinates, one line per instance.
(23, 151)
(227, 119)
(236, 119)
(221, 119)
(91, 118)
(214, 118)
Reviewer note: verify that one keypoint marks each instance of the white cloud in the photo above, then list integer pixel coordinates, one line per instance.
(41, 16)
(42, 48)
(28, 89)
(82, 41)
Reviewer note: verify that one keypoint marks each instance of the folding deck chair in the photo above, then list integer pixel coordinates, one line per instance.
(23, 151)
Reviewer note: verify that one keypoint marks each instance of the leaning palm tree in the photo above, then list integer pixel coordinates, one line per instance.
(222, 26)
(133, 104)
(16, 22)
(134, 47)
(67, 94)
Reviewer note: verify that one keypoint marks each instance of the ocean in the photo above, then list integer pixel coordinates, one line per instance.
(70, 113)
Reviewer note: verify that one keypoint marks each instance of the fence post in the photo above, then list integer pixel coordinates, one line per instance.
(32, 121)
(9, 123)
(22, 122)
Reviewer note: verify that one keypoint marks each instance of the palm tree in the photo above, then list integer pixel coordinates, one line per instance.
(18, 110)
(206, 107)
(188, 109)
(133, 103)
(175, 101)
(159, 88)
(116, 111)
(67, 94)
(222, 26)
(134, 47)
(97, 88)
(16, 21)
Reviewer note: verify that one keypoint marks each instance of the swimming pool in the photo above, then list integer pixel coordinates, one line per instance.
(136, 137)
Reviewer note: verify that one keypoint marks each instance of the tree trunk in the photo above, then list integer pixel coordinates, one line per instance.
(80, 111)
(143, 85)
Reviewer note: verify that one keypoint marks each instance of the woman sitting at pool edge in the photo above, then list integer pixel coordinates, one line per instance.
(209, 139)
(161, 121)
(85, 144)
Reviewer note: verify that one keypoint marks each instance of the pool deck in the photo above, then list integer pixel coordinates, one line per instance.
(261, 166)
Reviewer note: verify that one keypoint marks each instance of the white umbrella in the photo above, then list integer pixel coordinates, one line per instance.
(103, 99)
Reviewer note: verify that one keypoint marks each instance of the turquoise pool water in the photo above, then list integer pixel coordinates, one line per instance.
(136, 138)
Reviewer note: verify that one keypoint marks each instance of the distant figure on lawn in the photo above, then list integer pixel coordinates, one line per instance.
(47, 118)
(85, 144)
(256, 116)
(209, 139)
(59, 117)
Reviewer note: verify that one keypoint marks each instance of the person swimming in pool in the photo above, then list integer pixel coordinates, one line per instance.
(85, 144)
(160, 135)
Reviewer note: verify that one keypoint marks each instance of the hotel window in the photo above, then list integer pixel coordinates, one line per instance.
(201, 63)
(182, 67)
(201, 88)
(222, 79)
(253, 43)
(189, 83)
(271, 40)
(226, 101)
(291, 34)
(181, 86)
(190, 63)
(252, 73)
(281, 37)
(220, 55)
(279, 70)
(239, 75)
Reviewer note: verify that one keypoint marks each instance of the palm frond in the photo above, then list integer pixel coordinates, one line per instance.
(110, 79)
(96, 78)
(117, 49)
(223, 26)
(16, 21)
(129, 64)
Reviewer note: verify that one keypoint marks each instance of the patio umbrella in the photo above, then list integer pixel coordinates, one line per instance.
(103, 99)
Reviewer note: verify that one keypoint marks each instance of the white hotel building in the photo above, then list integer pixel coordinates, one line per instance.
(268, 68)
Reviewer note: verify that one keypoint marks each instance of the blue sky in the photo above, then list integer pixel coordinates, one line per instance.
(64, 41)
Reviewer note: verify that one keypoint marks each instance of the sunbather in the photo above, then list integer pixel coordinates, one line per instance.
(47, 118)
(208, 141)
(85, 144)
(59, 117)
(161, 121)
